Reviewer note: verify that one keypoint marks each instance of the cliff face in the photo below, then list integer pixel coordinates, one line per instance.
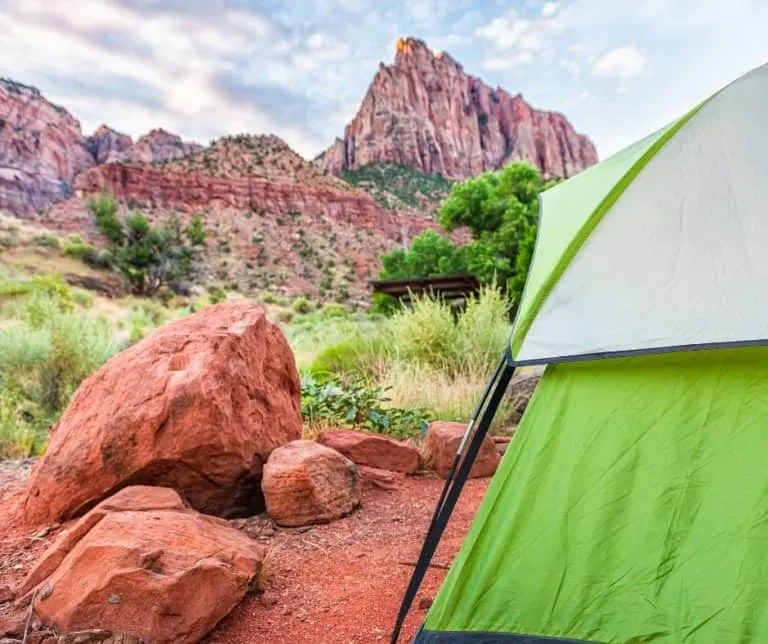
(425, 112)
(41, 149)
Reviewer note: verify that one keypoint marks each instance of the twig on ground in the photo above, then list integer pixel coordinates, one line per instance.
(29, 619)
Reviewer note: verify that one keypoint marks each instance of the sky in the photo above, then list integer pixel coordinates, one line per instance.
(618, 69)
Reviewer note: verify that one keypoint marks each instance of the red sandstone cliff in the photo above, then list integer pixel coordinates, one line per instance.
(425, 112)
(41, 149)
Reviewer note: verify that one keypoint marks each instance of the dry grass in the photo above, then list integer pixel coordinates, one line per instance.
(444, 396)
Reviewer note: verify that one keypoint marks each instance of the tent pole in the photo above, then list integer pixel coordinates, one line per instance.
(496, 388)
(462, 444)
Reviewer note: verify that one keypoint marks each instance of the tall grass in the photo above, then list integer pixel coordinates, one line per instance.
(47, 349)
(429, 356)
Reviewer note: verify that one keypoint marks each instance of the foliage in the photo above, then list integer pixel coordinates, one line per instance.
(354, 404)
(216, 294)
(302, 306)
(390, 183)
(500, 210)
(429, 254)
(46, 349)
(148, 256)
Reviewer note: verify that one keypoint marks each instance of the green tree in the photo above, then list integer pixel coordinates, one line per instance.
(429, 255)
(500, 209)
(148, 256)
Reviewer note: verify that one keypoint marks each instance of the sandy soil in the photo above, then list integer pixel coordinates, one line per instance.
(339, 583)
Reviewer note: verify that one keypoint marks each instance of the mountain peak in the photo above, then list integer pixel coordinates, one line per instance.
(425, 112)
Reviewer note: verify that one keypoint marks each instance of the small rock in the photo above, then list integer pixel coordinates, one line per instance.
(382, 479)
(268, 599)
(45, 592)
(6, 594)
(444, 438)
(306, 483)
(373, 450)
(425, 603)
(114, 599)
(42, 533)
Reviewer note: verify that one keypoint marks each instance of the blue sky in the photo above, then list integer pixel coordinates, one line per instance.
(202, 68)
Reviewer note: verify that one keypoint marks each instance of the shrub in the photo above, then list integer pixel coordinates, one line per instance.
(354, 404)
(353, 356)
(44, 356)
(425, 333)
(216, 294)
(48, 241)
(148, 257)
(302, 306)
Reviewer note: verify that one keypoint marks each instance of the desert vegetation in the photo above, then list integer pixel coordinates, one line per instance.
(390, 370)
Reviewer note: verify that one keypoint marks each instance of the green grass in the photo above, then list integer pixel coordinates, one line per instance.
(394, 185)
(388, 374)
(47, 348)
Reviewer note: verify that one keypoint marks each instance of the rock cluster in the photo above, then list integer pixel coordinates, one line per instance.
(426, 112)
(143, 565)
(198, 406)
(200, 418)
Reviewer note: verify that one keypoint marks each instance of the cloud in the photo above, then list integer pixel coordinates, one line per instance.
(623, 62)
(549, 9)
(516, 41)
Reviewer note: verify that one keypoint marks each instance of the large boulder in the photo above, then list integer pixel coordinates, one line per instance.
(196, 406)
(143, 565)
(442, 442)
(307, 483)
(374, 450)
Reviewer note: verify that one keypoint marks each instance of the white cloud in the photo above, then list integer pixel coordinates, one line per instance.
(549, 9)
(517, 41)
(623, 62)
(174, 56)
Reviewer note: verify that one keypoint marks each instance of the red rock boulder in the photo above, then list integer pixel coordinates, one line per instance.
(143, 565)
(444, 438)
(382, 479)
(374, 450)
(307, 483)
(196, 406)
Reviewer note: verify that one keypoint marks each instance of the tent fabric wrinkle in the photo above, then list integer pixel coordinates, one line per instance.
(625, 508)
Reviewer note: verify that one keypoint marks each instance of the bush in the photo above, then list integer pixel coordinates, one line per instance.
(425, 333)
(216, 294)
(354, 404)
(302, 306)
(148, 257)
(48, 241)
(353, 356)
(44, 355)
(79, 249)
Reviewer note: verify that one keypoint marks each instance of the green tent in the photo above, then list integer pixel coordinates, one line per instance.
(632, 504)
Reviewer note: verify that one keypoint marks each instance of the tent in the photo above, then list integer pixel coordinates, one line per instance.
(632, 504)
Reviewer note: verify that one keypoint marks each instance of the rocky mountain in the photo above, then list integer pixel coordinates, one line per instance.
(424, 111)
(42, 149)
(275, 221)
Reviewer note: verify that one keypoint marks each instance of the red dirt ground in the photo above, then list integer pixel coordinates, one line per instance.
(339, 583)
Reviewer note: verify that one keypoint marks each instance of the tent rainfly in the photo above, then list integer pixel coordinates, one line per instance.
(632, 504)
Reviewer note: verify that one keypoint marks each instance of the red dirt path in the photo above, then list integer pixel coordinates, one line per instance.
(339, 583)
